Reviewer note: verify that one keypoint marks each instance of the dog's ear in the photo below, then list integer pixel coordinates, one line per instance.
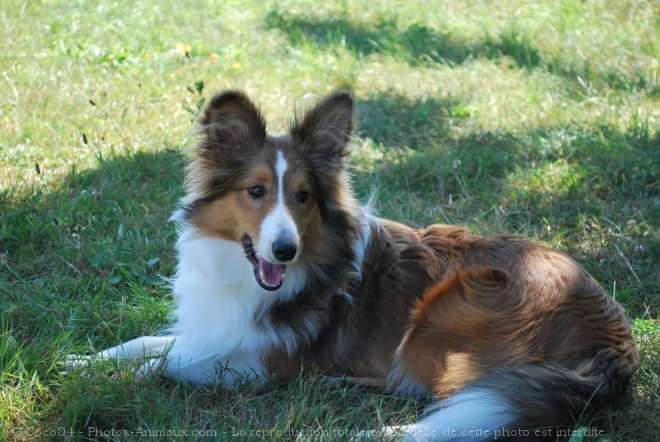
(326, 128)
(232, 121)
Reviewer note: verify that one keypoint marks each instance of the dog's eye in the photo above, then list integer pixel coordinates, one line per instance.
(256, 192)
(302, 196)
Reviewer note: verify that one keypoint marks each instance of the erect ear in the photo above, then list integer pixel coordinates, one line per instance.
(231, 120)
(326, 128)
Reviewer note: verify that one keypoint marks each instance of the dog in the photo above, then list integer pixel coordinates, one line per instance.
(280, 269)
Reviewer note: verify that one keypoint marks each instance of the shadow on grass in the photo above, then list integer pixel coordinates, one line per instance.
(419, 44)
(396, 121)
(416, 44)
(84, 258)
(101, 234)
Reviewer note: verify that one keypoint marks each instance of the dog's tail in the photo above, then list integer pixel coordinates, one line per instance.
(524, 402)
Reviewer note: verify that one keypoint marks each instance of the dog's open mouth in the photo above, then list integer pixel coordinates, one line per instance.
(268, 275)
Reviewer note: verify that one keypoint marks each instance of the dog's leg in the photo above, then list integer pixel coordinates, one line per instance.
(200, 365)
(157, 353)
(198, 368)
(197, 363)
(143, 348)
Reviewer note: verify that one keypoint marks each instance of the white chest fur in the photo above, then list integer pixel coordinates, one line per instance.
(218, 299)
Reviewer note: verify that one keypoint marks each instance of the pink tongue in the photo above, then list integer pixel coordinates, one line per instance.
(270, 274)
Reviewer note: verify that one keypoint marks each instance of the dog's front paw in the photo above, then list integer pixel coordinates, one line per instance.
(73, 362)
(140, 369)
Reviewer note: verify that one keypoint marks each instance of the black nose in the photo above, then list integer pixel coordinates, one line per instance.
(284, 250)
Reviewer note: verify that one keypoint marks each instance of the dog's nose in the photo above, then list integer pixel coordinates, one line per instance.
(284, 250)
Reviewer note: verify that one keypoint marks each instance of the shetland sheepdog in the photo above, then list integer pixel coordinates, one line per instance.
(281, 270)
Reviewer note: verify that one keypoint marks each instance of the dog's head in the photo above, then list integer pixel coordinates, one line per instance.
(283, 198)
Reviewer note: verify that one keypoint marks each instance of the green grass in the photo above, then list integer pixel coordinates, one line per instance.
(539, 120)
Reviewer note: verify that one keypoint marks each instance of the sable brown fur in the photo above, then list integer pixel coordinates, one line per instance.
(432, 310)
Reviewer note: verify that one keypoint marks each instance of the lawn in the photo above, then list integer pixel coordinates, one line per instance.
(509, 117)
